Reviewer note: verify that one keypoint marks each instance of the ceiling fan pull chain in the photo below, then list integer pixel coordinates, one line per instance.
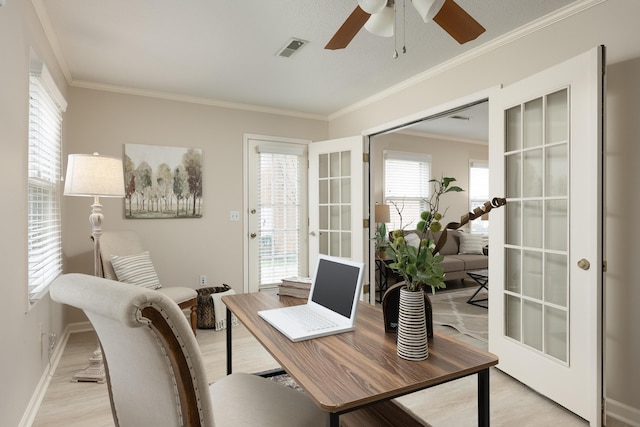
(395, 31)
(404, 26)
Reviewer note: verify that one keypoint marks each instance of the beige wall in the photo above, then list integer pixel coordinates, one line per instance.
(102, 121)
(622, 233)
(181, 249)
(448, 158)
(22, 359)
(613, 24)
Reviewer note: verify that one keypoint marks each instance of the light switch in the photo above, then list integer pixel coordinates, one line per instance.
(234, 216)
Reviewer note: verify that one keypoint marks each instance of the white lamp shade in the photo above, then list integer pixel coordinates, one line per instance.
(427, 9)
(382, 23)
(383, 214)
(372, 6)
(94, 176)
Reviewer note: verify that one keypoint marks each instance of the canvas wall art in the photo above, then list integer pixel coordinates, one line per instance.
(162, 182)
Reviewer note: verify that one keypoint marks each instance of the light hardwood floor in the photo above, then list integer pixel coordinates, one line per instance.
(68, 404)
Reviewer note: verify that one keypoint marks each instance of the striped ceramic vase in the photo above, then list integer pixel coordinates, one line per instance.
(412, 326)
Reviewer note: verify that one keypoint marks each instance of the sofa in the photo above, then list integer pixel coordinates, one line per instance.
(463, 252)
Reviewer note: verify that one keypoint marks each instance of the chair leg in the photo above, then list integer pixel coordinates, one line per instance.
(194, 318)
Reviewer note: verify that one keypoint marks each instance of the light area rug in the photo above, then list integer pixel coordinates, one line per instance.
(450, 308)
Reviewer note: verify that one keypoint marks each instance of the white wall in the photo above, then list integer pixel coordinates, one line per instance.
(613, 24)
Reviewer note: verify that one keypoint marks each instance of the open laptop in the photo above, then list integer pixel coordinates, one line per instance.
(331, 307)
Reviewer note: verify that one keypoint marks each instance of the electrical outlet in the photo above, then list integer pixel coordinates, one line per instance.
(234, 216)
(52, 342)
(203, 280)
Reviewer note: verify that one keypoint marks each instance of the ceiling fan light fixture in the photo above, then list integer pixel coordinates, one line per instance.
(427, 9)
(372, 6)
(382, 23)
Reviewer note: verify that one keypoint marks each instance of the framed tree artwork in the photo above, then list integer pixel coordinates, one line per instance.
(162, 182)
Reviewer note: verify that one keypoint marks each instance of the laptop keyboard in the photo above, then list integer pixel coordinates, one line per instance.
(309, 320)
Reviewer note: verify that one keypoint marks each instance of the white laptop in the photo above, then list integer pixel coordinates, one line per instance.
(331, 307)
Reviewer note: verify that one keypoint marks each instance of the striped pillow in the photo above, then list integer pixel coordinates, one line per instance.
(470, 244)
(136, 269)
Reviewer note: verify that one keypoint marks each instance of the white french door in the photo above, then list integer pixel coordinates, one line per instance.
(336, 192)
(277, 211)
(545, 317)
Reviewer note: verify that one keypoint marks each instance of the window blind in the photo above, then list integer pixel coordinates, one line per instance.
(44, 236)
(279, 213)
(478, 193)
(406, 184)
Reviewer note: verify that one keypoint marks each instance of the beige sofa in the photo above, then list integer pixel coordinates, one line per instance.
(463, 252)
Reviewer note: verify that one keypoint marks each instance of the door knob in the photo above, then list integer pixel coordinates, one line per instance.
(313, 233)
(253, 235)
(253, 211)
(584, 264)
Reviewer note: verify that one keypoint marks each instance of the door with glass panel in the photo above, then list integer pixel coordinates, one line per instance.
(336, 195)
(277, 212)
(545, 316)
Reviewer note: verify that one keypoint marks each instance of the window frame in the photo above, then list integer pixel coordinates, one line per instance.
(44, 181)
(407, 222)
(478, 226)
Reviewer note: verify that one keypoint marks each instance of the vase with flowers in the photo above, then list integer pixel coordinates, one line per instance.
(417, 264)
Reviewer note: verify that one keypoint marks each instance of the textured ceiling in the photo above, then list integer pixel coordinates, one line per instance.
(225, 51)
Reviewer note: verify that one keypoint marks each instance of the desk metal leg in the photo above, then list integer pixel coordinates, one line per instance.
(483, 398)
(229, 342)
(334, 420)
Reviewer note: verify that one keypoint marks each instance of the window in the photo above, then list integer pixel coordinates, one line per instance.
(44, 239)
(406, 185)
(478, 193)
(279, 201)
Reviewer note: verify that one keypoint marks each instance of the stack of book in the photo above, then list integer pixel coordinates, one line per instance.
(297, 287)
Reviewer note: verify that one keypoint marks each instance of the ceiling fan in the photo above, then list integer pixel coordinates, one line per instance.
(378, 17)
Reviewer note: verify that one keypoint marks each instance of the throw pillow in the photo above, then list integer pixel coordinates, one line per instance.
(470, 244)
(136, 269)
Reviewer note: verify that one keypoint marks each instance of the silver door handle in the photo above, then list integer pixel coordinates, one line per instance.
(253, 235)
(584, 264)
(313, 233)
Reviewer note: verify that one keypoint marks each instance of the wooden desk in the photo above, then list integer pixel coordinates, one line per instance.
(345, 372)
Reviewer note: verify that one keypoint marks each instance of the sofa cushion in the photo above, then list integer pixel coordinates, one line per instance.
(451, 245)
(450, 264)
(136, 269)
(470, 244)
(472, 262)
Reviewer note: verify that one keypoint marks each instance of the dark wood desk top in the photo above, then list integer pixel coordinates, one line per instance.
(348, 370)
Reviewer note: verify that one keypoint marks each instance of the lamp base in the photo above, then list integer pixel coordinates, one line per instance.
(94, 373)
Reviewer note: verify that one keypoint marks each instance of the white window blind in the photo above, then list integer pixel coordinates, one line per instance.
(44, 238)
(478, 193)
(279, 213)
(406, 184)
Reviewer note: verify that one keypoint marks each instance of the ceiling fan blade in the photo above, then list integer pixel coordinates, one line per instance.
(457, 22)
(348, 30)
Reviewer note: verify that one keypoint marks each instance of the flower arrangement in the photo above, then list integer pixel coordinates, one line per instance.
(417, 264)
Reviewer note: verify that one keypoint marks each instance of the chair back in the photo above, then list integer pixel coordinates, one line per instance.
(120, 243)
(154, 368)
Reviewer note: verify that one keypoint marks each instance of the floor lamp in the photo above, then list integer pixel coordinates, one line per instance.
(94, 176)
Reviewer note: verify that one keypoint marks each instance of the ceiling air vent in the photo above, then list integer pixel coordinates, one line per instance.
(291, 47)
(459, 117)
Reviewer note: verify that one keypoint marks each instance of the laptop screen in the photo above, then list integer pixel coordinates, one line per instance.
(335, 285)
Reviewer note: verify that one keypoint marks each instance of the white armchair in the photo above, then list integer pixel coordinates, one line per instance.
(126, 244)
(155, 371)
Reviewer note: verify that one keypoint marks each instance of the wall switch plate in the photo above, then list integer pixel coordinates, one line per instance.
(234, 216)
(203, 280)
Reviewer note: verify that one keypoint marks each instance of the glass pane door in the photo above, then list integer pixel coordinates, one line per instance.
(334, 208)
(536, 291)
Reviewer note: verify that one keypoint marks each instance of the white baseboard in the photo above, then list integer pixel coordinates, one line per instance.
(624, 413)
(41, 389)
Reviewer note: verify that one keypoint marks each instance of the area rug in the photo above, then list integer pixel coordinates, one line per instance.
(450, 308)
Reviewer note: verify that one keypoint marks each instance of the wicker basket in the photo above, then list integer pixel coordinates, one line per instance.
(206, 313)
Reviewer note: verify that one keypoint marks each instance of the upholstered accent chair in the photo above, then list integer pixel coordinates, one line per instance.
(155, 371)
(136, 268)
